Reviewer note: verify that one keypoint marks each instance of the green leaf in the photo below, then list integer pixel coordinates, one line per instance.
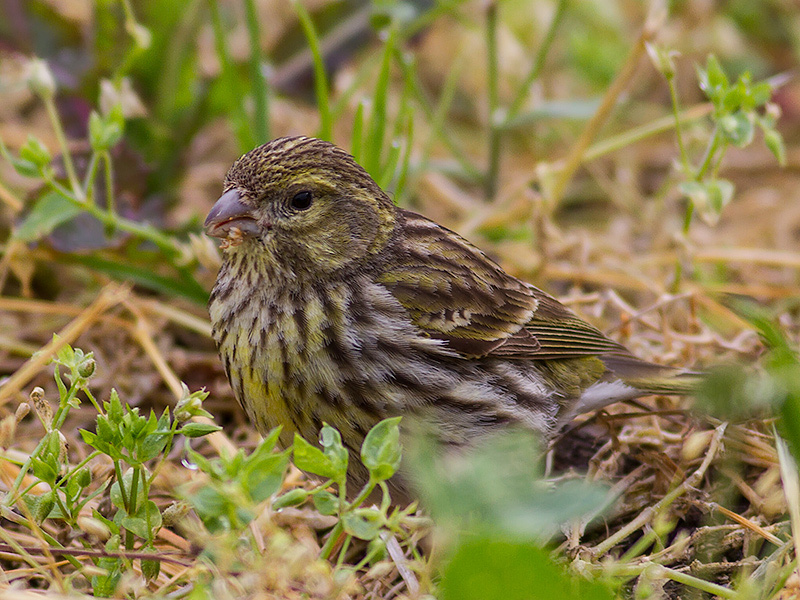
(196, 430)
(363, 523)
(709, 197)
(325, 502)
(44, 471)
(151, 569)
(105, 132)
(24, 167)
(774, 141)
(114, 408)
(294, 497)
(761, 93)
(152, 445)
(491, 569)
(333, 448)
(35, 152)
(209, 503)
(497, 487)
(713, 80)
(263, 477)
(138, 524)
(732, 393)
(738, 128)
(330, 462)
(47, 213)
(310, 458)
(381, 450)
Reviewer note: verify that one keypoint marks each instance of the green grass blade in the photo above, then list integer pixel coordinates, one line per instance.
(233, 88)
(377, 123)
(320, 77)
(260, 91)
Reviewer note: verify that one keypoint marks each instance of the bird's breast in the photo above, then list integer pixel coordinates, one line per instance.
(298, 355)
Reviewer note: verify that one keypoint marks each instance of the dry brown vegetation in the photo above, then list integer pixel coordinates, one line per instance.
(596, 219)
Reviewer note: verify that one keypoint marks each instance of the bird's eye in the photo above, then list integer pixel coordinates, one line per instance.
(301, 200)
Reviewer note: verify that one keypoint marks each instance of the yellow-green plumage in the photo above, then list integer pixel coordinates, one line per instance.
(333, 305)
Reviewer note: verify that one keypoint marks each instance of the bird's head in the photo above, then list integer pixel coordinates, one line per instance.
(305, 203)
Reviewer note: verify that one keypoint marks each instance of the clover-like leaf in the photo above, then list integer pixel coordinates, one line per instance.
(363, 523)
(381, 450)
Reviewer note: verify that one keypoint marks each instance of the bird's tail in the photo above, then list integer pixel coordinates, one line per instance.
(629, 377)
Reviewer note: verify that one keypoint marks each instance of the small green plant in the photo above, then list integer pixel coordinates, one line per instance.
(380, 454)
(135, 445)
(62, 201)
(738, 108)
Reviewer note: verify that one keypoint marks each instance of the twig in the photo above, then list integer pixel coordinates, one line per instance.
(651, 511)
(747, 523)
(396, 553)
(97, 553)
(575, 157)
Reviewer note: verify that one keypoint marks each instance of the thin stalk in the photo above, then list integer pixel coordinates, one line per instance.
(538, 62)
(673, 94)
(708, 158)
(320, 77)
(626, 73)
(357, 139)
(66, 156)
(637, 134)
(377, 123)
(91, 173)
(165, 243)
(109, 177)
(695, 582)
(325, 552)
(259, 82)
(437, 129)
(343, 551)
(492, 89)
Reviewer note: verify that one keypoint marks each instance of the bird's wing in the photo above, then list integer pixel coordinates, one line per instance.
(454, 292)
(560, 334)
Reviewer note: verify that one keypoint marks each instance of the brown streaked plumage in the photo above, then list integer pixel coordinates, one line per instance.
(334, 305)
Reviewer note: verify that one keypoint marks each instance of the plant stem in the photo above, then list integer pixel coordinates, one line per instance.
(66, 156)
(109, 177)
(259, 82)
(337, 530)
(626, 73)
(626, 138)
(164, 242)
(708, 158)
(538, 63)
(492, 86)
(673, 94)
(695, 582)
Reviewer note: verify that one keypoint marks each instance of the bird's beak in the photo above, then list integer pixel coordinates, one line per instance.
(229, 212)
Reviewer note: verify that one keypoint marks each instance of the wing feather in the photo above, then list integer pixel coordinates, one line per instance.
(453, 291)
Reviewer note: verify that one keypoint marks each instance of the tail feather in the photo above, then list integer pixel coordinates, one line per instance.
(628, 378)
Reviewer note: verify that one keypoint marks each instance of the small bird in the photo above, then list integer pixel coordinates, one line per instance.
(334, 305)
